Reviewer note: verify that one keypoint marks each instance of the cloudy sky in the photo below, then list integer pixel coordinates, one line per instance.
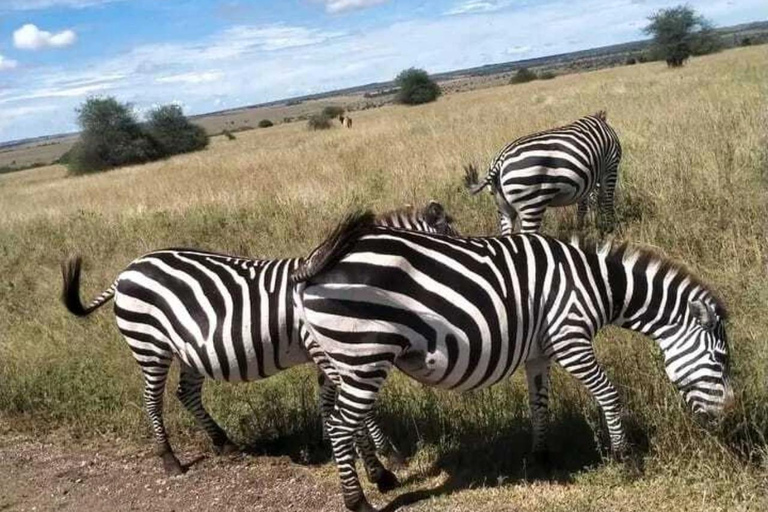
(216, 54)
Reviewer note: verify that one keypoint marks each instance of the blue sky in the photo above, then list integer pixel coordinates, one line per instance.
(211, 55)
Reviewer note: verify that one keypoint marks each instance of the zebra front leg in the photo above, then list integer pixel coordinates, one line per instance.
(190, 395)
(606, 204)
(537, 374)
(581, 213)
(577, 357)
(155, 376)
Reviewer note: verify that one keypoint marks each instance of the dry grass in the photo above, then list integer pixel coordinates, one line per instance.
(693, 183)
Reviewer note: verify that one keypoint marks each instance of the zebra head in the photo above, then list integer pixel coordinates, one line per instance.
(697, 359)
(437, 220)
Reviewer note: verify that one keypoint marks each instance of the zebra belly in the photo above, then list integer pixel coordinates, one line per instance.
(229, 347)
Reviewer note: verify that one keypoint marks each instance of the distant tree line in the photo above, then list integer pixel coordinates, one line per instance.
(111, 136)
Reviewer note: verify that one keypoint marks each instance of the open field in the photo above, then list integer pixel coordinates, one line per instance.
(693, 182)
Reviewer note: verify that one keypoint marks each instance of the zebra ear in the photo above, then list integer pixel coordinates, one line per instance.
(704, 314)
(434, 213)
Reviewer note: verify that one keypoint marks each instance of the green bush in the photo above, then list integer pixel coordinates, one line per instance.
(174, 132)
(110, 137)
(547, 75)
(523, 75)
(416, 87)
(332, 111)
(318, 122)
(229, 135)
(265, 123)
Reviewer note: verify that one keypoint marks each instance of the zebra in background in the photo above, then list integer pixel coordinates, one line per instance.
(557, 167)
(345, 121)
(223, 317)
(467, 312)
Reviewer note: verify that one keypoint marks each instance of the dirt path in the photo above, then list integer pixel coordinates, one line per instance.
(37, 476)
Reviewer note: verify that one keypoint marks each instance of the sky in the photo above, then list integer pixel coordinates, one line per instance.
(217, 54)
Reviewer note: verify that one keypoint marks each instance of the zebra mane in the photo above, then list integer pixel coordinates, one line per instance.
(335, 245)
(620, 252)
(433, 215)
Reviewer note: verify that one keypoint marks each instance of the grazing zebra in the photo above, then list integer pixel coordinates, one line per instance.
(465, 313)
(221, 316)
(557, 167)
(345, 121)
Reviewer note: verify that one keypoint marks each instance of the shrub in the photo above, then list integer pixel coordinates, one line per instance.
(318, 122)
(680, 32)
(229, 135)
(630, 61)
(332, 111)
(110, 137)
(416, 87)
(745, 41)
(523, 75)
(265, 123)
(547, 75)
(174, 132)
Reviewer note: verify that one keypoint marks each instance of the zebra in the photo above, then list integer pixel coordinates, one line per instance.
(556, 167)
(223, 317)
(465, 313)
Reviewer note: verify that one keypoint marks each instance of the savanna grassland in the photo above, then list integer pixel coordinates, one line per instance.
(693, 183)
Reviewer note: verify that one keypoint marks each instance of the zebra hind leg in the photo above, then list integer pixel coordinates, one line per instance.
(384, 479)
(190, 395)
(537, 374)
(155, 376)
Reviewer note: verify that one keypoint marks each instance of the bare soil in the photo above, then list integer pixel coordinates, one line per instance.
(40, 476)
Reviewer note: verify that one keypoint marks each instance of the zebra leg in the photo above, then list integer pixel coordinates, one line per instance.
(507, 215)
(577, 357)
(383, 444)
(606, 203)
(581, 213)
(155, 376)
(384, 479)
(327, 400)
(530, 220)
(190, 395)
(537, 374)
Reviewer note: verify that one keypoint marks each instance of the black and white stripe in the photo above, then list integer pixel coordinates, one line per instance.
(464, 313)
(222, 317)
(557, 167)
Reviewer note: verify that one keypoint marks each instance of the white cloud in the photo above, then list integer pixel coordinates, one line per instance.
(334, 6)
(31, 5)
(29, 37)
(476, 6)
(6, 63)
(191, 78)
(518, 50)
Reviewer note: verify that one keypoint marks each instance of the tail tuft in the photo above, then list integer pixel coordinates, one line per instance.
(70, 272)
(602, 115)
(472, 180)
(70, 295)
(335, 246)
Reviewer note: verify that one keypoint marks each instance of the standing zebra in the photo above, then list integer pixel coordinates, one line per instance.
(465, 313)
(557, 167)
(222, 317)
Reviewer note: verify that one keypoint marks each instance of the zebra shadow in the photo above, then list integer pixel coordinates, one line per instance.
(490, 459)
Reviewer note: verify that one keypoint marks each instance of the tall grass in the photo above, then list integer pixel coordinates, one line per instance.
(693, 183)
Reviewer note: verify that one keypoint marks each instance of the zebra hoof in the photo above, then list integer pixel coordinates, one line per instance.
(361, 505)
(227, 448)
(171, 465)
(395, 459)
(387, 481)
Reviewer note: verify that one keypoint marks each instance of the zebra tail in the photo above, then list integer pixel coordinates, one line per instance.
(335, 246)
(70, 271)
(471, 180)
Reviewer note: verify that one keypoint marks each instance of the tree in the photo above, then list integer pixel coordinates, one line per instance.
(265, 123)
(416, 87)
(332, 111)
(679, 32)
(110, 137)
(318, 122)
(175, 133)
(523, 75)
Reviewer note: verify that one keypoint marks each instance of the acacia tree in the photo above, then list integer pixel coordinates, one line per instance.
(678, 33)
(416, 87)
(174, 132)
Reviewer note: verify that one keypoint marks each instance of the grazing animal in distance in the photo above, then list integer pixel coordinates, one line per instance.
(473, 310)
(556, 167)
(223, 317)
(345, 121)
